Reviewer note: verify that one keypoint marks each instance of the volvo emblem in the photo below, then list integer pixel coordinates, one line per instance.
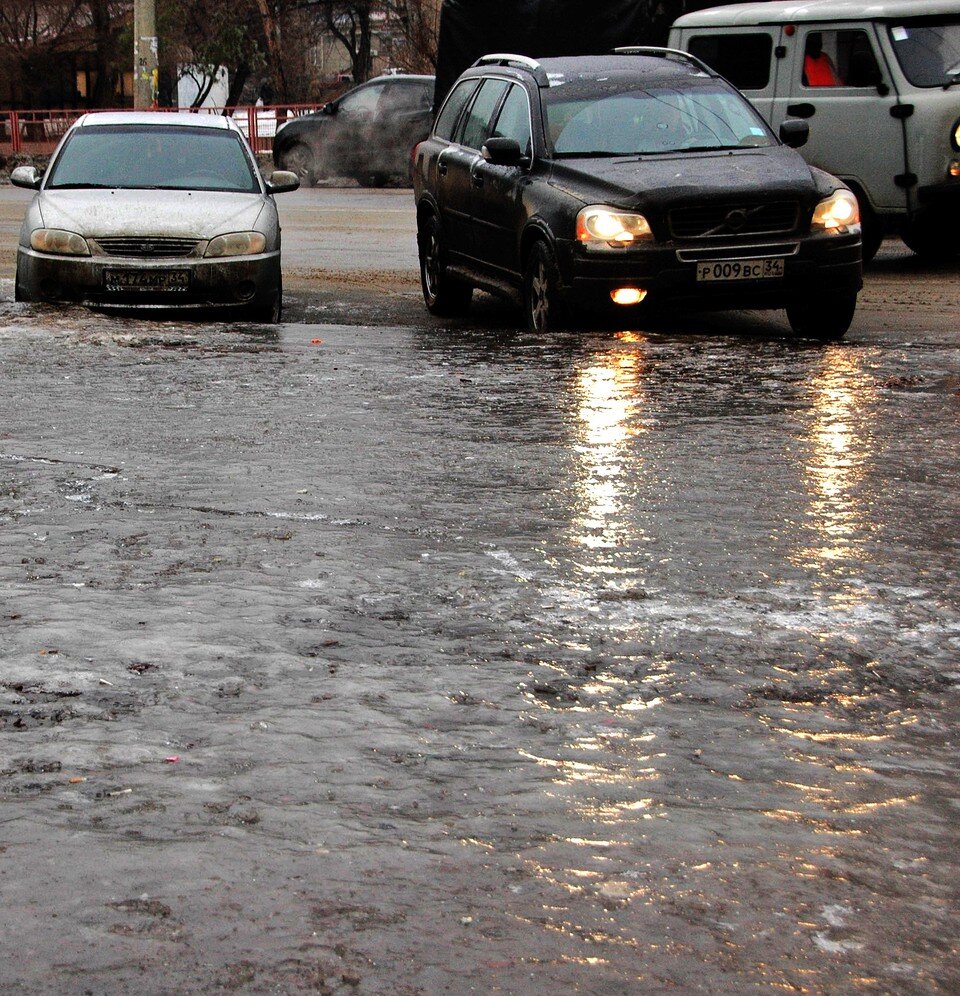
(735, 219)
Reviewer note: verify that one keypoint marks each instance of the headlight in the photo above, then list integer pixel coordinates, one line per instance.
(236, 244)
(955, 136)
(57, 241)
(837, 214)
(605, 228)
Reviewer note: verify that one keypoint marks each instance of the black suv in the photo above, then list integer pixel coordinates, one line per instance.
(367, 134)
(623, 183)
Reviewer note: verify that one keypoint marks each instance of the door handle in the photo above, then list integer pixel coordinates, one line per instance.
(801, 110)
(442, 168)
(476, 179)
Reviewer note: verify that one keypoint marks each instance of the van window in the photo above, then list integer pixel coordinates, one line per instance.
(743, 59)
(450, 114)
(928, 51)
(839, 59)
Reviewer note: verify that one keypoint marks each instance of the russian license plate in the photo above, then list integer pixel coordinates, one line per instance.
(146, 280)
(740, 269)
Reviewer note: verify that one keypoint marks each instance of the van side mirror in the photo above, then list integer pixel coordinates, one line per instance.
(502, 152)
(329, 109)
(26, 176)
(795, 133)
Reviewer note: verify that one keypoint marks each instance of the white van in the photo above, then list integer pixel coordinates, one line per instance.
(879, 83)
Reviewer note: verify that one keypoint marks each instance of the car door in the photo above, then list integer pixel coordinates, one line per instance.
(402, 120)
(347, 151)
(836, 81)
(454, 167)
(496, 191)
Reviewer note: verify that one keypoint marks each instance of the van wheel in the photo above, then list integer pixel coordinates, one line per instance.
(442, 294)
(934, 241)
(822, 316)
(543, 302)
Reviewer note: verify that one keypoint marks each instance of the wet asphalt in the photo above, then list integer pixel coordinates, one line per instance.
(371, 653)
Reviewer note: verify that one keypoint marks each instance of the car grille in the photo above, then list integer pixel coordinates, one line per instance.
(147, 247)
(724, 220)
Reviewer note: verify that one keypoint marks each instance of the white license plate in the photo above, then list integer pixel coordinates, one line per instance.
(740, 269)
(147, 280)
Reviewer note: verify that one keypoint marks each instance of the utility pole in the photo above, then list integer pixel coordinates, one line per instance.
(145, 60)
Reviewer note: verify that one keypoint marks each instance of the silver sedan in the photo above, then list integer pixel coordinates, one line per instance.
(153, 210)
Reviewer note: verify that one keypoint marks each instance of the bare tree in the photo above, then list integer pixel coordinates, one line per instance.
(417, 24)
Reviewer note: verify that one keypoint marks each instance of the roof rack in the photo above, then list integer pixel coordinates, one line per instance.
(515, 62)
(657, 50)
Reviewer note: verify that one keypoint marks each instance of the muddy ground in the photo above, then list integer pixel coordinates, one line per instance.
(373, 654)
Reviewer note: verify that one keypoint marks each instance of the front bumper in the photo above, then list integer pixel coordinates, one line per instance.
(668, 272)
(211, 283)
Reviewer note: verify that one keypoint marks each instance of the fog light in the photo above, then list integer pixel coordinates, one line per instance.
(628, 295)
(954, 169)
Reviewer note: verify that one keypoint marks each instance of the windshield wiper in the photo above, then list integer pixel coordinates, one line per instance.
(593, 154)
(80, 186)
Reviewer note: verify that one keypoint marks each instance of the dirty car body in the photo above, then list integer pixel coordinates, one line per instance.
(151, 210)
(624, 183)
(368, 134)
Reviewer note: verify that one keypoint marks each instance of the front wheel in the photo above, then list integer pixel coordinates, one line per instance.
(822, 316)
(442, 294)
(543, 303)
(267, 308)
(298, 159)
(934, 241)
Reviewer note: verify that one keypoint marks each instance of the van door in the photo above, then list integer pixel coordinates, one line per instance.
(835, 78)
(744, 56)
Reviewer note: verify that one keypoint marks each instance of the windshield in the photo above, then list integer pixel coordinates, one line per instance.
(617, 118)
(153, 157)
(928, 51)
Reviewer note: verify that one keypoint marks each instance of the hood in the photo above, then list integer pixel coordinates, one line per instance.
(657, 183)
(175, 213)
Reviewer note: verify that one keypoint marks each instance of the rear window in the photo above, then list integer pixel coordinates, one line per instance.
(743, 59)
(153, 157)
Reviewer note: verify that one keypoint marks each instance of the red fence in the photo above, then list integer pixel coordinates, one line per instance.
(38, 132)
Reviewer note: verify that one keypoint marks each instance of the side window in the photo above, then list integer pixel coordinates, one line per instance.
(743, 59)
(450, 114)
(476, 125)
(514, 119)
(404, 97)
(363, 101)
(839, 59)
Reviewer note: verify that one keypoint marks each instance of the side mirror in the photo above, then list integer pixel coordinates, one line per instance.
(26, 176)
(328, 109)
(282, 180)
(502, 152)
(795, 133)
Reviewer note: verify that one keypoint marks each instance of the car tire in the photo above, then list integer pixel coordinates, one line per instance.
(266, 310)
(442, 294)
(543, 303)
(933, 241)
(824, 316)
(373, 179)
(299, 159)
(871, 231)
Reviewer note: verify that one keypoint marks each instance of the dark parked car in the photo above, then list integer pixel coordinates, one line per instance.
(368, 134)
(623, 183)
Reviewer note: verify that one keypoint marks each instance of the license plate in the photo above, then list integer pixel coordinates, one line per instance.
(146, 280)
(740, 269)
